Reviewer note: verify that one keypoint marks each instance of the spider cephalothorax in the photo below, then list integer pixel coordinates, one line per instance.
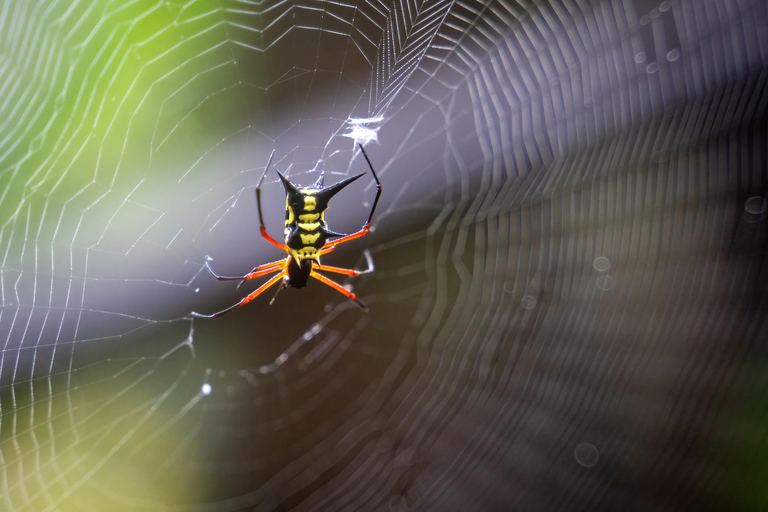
(306, 238)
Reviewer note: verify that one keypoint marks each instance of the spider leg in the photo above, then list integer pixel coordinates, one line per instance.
(336, 286)
(256, 272)
(378, 185)
(367, 226)
(261, 270)
(262, 227)
(349, 271)
(244, 300)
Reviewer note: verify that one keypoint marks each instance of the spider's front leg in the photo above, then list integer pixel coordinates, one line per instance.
(367, 226)
(262, 227)
(336, 286)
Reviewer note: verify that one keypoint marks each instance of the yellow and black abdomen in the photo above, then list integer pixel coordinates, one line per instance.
(305, 228)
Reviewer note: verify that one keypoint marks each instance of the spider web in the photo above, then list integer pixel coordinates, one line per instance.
(568, 308)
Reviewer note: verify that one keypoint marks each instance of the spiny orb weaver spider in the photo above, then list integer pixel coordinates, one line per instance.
(306, 239)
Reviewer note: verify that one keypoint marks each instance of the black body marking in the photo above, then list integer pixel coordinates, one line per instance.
(306, 239)
(298, 274)
(305, 229)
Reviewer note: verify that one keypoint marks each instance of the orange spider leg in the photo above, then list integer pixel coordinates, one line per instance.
(336, 286)
(246, 299)
(349, 271)
(347, 238)
(269, 238)
(256, 272)
(263, 287)
(338, 270)
(263, 269)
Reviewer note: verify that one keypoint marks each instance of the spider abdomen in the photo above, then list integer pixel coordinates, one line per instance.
(304, 244)
(305, 228)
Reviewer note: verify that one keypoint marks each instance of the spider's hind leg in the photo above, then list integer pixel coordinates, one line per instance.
(336, 286)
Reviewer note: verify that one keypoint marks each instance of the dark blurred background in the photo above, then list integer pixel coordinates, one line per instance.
(569, 305)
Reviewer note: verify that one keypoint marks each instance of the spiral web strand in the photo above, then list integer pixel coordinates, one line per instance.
(568, 240)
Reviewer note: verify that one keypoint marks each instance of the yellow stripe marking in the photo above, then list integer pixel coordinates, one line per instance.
(291, 217)
(309, 239)
(309, 217)
(305, 253)
(308, 226)
(309, 203)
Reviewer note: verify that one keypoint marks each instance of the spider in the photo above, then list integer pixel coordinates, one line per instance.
(306, 239)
